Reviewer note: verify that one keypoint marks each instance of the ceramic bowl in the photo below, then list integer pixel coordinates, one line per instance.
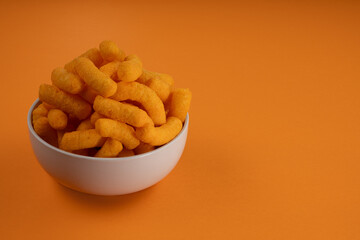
(107, 176)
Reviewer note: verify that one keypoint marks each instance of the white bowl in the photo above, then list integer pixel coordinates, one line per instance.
(107, 176)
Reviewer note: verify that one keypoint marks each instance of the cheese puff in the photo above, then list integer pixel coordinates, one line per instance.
(110, 51)
(143, 148)
(126, 153)
(121, 111)
(64, 101)
(161, 88)
(117, 130)
(147, 97)
(93, 54)
(154, 81)
(48, 106)
(44, 130)
(67, 81)
(110, 69)
(179, 103)
(157, 136)
(94, 117)
(111, 148)
(88, 94)
(97, 80)
(147, 75)
(39, 111)
(77, 140)
(57, 119)
(42, 126)
(166, 78)
(85, 125)
(130, 69)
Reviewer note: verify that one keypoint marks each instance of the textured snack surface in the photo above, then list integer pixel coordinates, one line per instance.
(72, 104)
(93, 77)
(147, 97)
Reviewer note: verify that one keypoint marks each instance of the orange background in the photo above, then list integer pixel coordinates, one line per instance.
(273, 150)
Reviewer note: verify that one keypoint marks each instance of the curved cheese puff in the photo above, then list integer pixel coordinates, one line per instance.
(161, 88)
(147, 97)
(126, 153)
(157, 136)
(111, 148)
(48, 106)
(66, 102)
(44, 130)
(110, 69)
(147, 75)
(156, 82)
(93, 54)
(57, 119)
(92, 76)
(85, 125)
(77, 140)
(67, 81)
(179, 103)
(143, 148)
(117, 130)
(39, 111)
(110, 51)
(94, 117)
(42, 126)
(122, 112)
(88, 94)
(130, 69)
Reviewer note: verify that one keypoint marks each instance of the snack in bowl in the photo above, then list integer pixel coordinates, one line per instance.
(104, 104)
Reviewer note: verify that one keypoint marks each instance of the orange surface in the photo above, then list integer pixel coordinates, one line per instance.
(274, 144)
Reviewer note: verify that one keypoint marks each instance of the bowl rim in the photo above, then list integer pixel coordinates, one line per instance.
(32, 131)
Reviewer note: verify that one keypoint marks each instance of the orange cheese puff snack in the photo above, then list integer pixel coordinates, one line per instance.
(93, 54)
(48, 106)
(126, 153)
(166, 78)
(161, 88)
(67, 81)
(110, 51)
(117, 130)
(64, 101)
(42, 126)
(154, 81)
(39, 111)
(93, 77)
(44, 130)
(147, 97)
(179, 103)
(94, 117)
(147, 75)
(130, 69)
(121, 111)
(77, 140)
(88, 94)
(143, 148)
(110, 69)
(57, 119)
(85, 125)
(111, 148)
(157, 136)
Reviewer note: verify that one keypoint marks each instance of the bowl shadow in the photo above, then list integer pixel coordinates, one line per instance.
(104, 203)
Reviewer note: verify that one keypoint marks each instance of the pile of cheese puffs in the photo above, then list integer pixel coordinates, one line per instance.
(104, 104)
